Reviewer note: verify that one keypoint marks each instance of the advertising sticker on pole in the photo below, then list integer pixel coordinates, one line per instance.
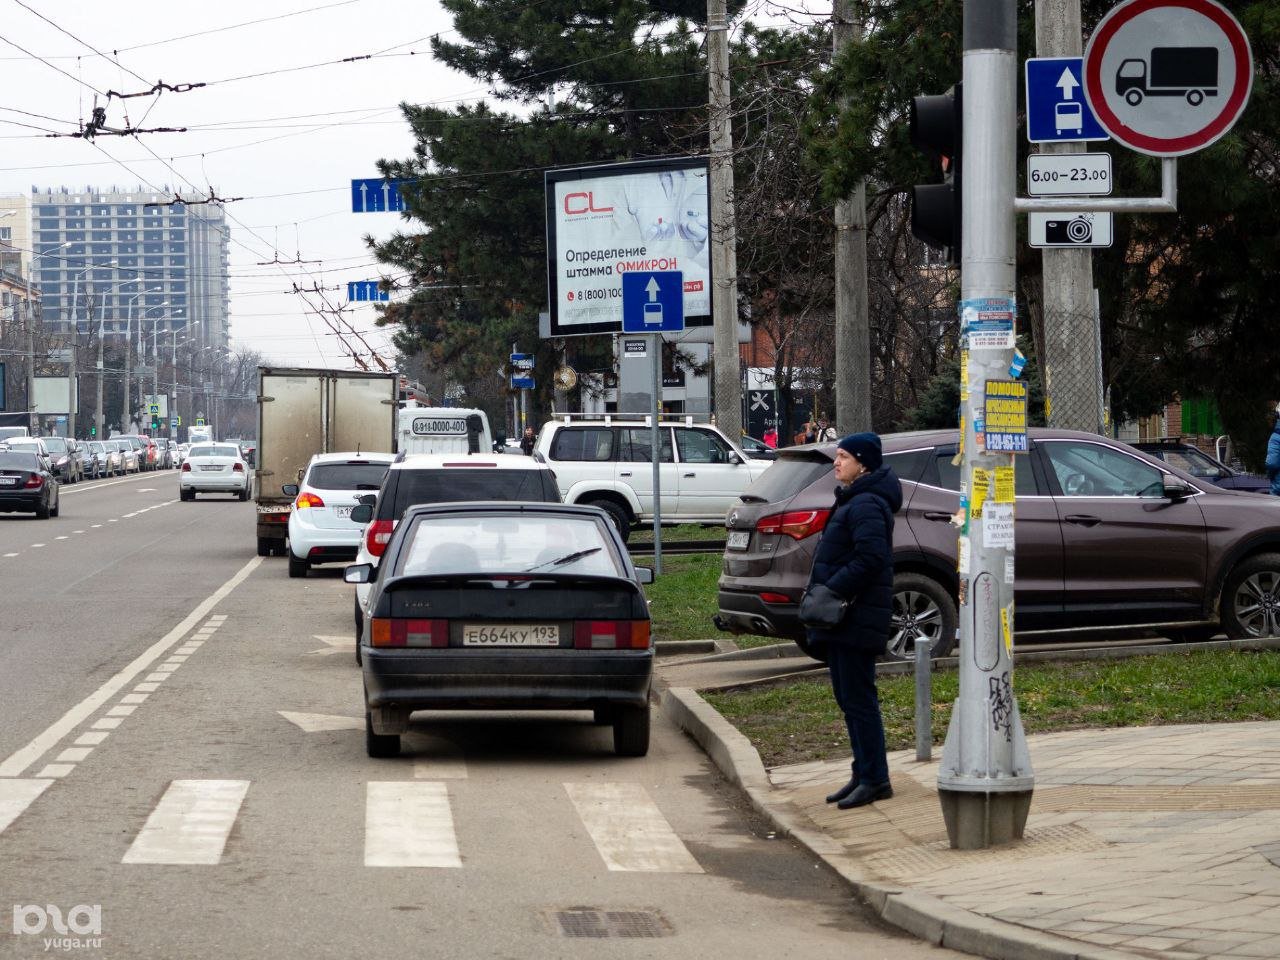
(605, 221)
(987, 322)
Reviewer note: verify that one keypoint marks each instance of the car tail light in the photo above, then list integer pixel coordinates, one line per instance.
(611, 635)
(34, 482)
(186, 468)
(306, 501)
(776, 598)
(237, 467)
(797, 524)
(401, 632)
(378, 536)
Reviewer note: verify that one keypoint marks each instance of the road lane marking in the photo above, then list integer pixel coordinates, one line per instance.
(335, 645)
(37, 545)
(134, 698)
(77, 531)
(98, 486)
(147, 687)
(96, 526)
(90, 739)
(74, 754)
(49, 738)
(16, 796)
(628, 829)
(319, 722)
(121, 711)
(190, 824)
(12, 554)
(62, 538)
(56, 770)
(108, 723)
(409, 824)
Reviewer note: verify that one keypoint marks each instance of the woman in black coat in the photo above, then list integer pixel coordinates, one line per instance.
(854, 560)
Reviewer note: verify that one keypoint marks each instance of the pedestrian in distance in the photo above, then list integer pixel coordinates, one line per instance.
(826, 433)
(527, 441)
(854, 561)
(1273, 456)
(771, 438)
(810, 432)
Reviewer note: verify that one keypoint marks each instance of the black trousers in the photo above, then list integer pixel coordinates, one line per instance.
(853, 681)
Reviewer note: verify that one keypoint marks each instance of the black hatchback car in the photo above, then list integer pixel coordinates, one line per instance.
(527, 606)
(27, 485)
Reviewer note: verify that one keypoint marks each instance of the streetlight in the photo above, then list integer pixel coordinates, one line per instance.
(72, 391)
(34, 424)
(173, 363)
(128, 355)
(155, 348)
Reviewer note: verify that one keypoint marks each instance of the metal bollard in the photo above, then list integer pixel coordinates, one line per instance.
(924, 699)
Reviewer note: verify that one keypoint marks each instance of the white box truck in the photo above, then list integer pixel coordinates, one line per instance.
(302, 412)
(443, 430)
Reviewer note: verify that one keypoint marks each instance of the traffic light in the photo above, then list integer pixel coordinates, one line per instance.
(936, 129)
(155, 423)
(93, 431)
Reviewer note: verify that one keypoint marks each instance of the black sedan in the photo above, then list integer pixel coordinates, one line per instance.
(26, 485)
(508, 606)
(1200, 465)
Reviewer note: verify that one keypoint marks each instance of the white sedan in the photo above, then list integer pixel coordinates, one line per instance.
(213, 468)
(320, 527)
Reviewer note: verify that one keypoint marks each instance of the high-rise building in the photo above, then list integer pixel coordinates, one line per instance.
(132, 261)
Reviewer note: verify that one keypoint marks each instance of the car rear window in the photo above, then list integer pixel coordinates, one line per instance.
(346, 476)
(787, 476)
(18, 461)
(55, 444)
(460, 484)
(511, 544)
(215, 450)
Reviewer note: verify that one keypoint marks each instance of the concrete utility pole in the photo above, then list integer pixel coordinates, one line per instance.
(33, 424)
(724, 231)
(853, 322)
(1072, 363)
(97, 406)
(985, 779)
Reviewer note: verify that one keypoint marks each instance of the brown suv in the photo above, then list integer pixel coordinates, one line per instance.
(1106, 537)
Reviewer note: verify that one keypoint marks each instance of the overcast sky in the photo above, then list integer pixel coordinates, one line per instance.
(268, 126)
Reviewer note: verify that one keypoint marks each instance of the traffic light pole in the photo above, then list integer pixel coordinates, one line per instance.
(985, 781)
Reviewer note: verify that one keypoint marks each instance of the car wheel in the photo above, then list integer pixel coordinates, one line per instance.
(264, 547)
(56, 509)
(378, 744)
(278, 549)
(631, 731)
(617, 513)
(922, 607)
(297, 568)
(42, 511)
(1251, 599)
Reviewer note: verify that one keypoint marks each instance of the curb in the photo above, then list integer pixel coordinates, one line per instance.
(924, 916)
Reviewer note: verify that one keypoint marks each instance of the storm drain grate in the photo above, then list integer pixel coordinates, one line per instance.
(589, 923)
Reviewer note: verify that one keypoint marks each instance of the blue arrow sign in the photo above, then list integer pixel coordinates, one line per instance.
(653, 301)
(522, 383)
(362, 290)
(376, 196)
(1056, 108)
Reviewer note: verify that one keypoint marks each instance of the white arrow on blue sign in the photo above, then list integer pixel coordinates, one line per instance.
(1056, 108)
(653, 301)
(522, 383)
(376, 196)
(362, 290)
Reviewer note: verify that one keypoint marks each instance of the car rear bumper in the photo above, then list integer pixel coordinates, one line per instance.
(742, 612)
(20, 500)
(213, 482)
(322, 545)
(508, 678)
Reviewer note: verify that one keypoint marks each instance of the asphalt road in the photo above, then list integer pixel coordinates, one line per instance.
(182, 748)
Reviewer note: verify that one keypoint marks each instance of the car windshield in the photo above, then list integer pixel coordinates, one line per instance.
(215, 450)
(18, 461)
(55, 444)
(448, 484)
(508, 544)
(1193, 462)
(350, 475)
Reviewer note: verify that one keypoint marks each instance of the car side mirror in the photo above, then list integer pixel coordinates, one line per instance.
(362, 513)
(1175, 489)
(358, 573)
(734, 459)
(369, 498)
(289, 489)
(644, 574)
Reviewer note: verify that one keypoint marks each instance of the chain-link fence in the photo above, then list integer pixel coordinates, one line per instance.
(1068, 346)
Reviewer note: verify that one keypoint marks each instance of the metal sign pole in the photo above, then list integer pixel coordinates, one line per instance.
(656, 440)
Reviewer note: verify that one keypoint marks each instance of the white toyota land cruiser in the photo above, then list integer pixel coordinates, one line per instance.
(606, 460)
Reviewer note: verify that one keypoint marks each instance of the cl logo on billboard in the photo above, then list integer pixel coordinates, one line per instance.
(573, 204)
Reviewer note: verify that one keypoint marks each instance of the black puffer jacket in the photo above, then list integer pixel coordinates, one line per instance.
(855, 560)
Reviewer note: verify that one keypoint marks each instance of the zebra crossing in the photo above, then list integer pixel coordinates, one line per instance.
(407, 823)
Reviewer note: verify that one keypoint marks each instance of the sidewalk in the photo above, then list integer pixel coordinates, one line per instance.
(1152, 842)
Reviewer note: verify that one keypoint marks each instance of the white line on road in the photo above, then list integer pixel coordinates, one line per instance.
(628, 829)
(47, 740)
(319, 722)
(62, 538)
(37, 545)
(16, 796)
(190, 824)
(11, 554)
(98, 486)
(409, 824)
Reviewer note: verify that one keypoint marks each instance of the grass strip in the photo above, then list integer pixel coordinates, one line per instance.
(799, 721)
(683, 600)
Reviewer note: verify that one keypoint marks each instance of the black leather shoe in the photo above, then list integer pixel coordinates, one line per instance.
(843, 792)
(865, 793)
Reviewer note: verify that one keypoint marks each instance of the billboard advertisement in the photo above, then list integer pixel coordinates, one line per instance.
(605, 221)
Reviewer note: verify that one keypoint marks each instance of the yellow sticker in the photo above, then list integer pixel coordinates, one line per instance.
(964, 368)
(955, 461)
(1004, 485)
(1005, 631)
(978, 494)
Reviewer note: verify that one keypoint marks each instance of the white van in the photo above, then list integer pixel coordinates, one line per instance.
(443, 430)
